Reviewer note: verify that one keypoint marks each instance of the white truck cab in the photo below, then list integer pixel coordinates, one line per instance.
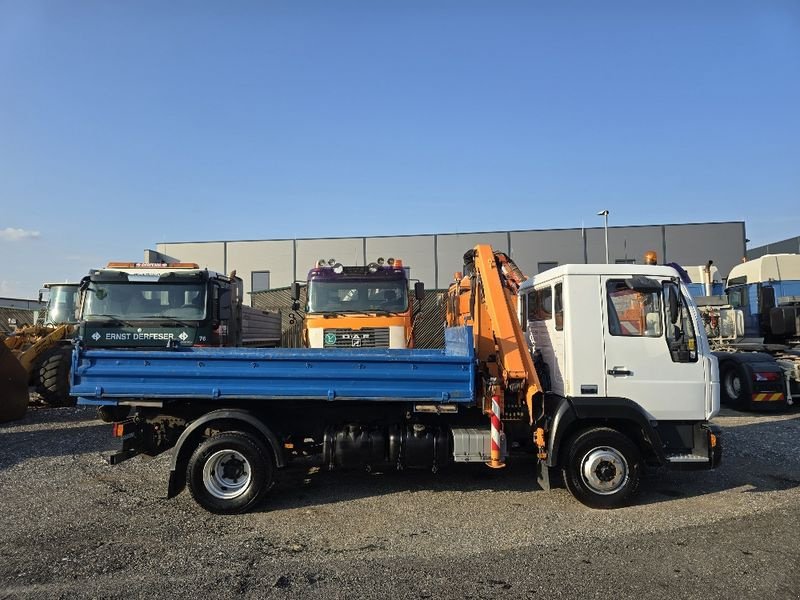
(625, 342)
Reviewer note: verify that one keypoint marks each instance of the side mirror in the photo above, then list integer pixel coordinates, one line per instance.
(672, 299)
(296, 292)
(419, 291)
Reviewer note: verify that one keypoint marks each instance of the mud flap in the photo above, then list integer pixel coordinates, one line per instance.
(543, 476)
(13, 386)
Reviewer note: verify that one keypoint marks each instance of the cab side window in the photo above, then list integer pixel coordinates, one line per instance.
(540, 304)
(681, 337)
(558, 306)
(738, 296)
(633, 313)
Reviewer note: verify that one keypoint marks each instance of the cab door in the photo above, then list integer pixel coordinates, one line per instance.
(650, 359)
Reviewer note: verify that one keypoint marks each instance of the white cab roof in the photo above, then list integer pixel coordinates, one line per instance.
(770, 267)
(595, 269)
(697, 274)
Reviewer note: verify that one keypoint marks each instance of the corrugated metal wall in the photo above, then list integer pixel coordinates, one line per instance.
(22, 317)
(428, 330)
(789, 246)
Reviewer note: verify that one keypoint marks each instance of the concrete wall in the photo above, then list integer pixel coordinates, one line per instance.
(209, 255)
(348, 251)
(624, 243)
(434, 258)
(275, 256)
(416, 251)
(697, 244)
(450, 249)
(529, 248)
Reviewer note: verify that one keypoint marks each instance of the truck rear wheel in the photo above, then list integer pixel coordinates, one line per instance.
(230, 472)
(602, 467)
(736, 388)
(52, 377)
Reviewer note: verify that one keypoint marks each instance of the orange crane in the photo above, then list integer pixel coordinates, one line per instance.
(485, 297)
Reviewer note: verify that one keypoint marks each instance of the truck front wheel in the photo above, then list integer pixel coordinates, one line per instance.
(602, 467)
(230, 472)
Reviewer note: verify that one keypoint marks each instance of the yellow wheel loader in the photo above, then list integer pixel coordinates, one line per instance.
(39, 355)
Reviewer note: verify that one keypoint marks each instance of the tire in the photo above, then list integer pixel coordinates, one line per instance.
(736, 389)
(602, 467)
(52, 377)
(113, 414)
(230, 472)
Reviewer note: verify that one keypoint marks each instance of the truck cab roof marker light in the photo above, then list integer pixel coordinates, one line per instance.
(132, 265)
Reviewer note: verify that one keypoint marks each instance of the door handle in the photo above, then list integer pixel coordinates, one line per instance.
(616, 372)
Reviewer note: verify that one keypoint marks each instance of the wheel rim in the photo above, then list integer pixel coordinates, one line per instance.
(227, 474)
(733, 385)
(604, 470)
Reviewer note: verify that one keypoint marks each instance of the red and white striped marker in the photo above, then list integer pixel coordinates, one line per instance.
(496, 453)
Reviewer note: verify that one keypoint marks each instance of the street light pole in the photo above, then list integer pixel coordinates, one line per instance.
(604, 214)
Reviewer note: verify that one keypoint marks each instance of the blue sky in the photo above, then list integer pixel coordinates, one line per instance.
(126, 124)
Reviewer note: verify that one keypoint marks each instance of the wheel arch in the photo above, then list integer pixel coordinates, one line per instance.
(572, 415)
(223, 420)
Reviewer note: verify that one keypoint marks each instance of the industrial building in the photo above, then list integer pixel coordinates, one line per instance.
(433, 258)
(787, 246)
(17, 312)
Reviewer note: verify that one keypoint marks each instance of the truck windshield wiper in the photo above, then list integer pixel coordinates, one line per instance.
(173, 321)
(113, 318)
(342, 313)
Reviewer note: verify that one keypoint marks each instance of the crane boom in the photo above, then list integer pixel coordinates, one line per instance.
(485, 297)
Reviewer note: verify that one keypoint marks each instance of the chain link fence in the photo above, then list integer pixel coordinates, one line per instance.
(428, 326)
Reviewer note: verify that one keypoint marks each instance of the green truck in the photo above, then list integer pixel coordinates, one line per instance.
(134, 305)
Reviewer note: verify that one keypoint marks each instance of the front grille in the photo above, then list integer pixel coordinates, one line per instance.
(368, 337)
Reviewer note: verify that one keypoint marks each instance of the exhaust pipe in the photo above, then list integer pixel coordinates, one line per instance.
(708, 283)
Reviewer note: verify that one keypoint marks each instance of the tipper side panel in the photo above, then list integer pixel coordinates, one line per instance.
(104, 376)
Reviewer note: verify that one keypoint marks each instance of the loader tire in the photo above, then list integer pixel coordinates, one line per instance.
(52, 380)
(13, 386)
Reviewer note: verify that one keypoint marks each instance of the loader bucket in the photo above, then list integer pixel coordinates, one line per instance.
(13, 386)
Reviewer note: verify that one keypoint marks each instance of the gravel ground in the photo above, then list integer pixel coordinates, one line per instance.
(73, 526)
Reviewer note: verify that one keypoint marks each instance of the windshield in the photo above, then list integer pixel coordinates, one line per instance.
(151, 301)
(357, 296)
(61, 305)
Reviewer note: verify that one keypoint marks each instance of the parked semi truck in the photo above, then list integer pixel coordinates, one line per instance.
(634, 383)
(39, 355)
(754, 329)
(359, 306)
(136, 305)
